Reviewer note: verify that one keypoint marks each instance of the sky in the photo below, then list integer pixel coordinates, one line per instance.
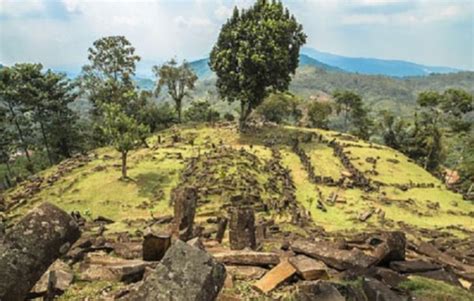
(57, 33)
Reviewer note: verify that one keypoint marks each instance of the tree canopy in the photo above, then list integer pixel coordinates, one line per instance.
(256, 52)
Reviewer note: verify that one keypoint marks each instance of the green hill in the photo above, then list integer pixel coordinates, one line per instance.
(306, 182)
(400, 192)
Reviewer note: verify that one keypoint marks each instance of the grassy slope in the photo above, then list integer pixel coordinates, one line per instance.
(95, 189)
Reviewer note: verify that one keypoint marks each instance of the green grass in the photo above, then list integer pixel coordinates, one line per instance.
(428, 289)
(95, 189)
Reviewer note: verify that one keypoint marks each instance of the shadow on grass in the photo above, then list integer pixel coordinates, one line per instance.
(150, 183)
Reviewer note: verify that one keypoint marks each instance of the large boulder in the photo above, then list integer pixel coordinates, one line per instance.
(31, 246)
(185, 273)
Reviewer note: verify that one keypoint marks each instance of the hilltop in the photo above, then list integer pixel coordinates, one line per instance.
(305, 181)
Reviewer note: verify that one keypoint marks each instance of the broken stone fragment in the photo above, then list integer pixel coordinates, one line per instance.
(338, 259)
(376, 290)
(245, 272)
(392, 247)
(31, 246)
(99, 266)
(155, 246)
(365, 215)
(185, 273)
(244, 257)
(414, 266)
(196, 242)
(275, 276)
(63, 274)
(318, 290)
(308, 268)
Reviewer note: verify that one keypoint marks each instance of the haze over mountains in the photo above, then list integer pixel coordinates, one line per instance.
(333, 62)
(315, 58)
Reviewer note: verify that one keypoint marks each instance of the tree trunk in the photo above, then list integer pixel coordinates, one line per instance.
(244, 114)
(124, 165)
(178, 109)
(45, 141)
(9, 169)
(20, 135)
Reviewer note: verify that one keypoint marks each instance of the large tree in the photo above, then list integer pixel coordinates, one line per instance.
(256, 52)
(351, 106)
(108, 76)
(178, 79)
(12, 97)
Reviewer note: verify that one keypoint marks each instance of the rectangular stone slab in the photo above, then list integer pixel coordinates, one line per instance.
(338, 259)
(275, 276)
(309, 268)
(243, 257)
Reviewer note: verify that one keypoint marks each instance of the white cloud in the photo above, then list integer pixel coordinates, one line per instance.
(161, 29)
(16, 8)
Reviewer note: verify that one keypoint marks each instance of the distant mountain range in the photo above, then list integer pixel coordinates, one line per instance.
(321, 60)
(371, 66)
(202, 70)
(333, 62)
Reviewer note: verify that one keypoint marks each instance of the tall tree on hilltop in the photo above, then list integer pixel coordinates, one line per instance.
(123, 131)
(256, 52)
(7, 142)
(13, 95)
(108, 76)
(178, 79)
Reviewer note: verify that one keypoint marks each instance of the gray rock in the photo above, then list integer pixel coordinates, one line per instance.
(318, 290)
(31, 246)
(377, 291)
(185, 273)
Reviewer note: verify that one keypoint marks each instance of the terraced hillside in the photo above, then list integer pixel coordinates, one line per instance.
(305, 181)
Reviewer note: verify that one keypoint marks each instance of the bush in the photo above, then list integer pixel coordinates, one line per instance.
(279, 108)
(229, 117)
(201, 111)
(318, 113)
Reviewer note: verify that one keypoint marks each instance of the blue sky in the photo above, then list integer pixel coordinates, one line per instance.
(57, 33)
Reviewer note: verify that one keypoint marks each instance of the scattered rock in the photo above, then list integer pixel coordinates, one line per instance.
(275, 276)
(155, 246)
(196, 242)
(245, 272)
(392, 248)
(244, 257)
(308, 268)
(414, 266)
(99, 266)
(338, 259)
(365, 215)
(377, 291)
(318, 290)
(185, 273)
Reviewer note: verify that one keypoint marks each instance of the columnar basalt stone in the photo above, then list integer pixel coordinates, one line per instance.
(31, 246)
(155, 246)
(221, 227)
(185, 201)
(242, 228)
